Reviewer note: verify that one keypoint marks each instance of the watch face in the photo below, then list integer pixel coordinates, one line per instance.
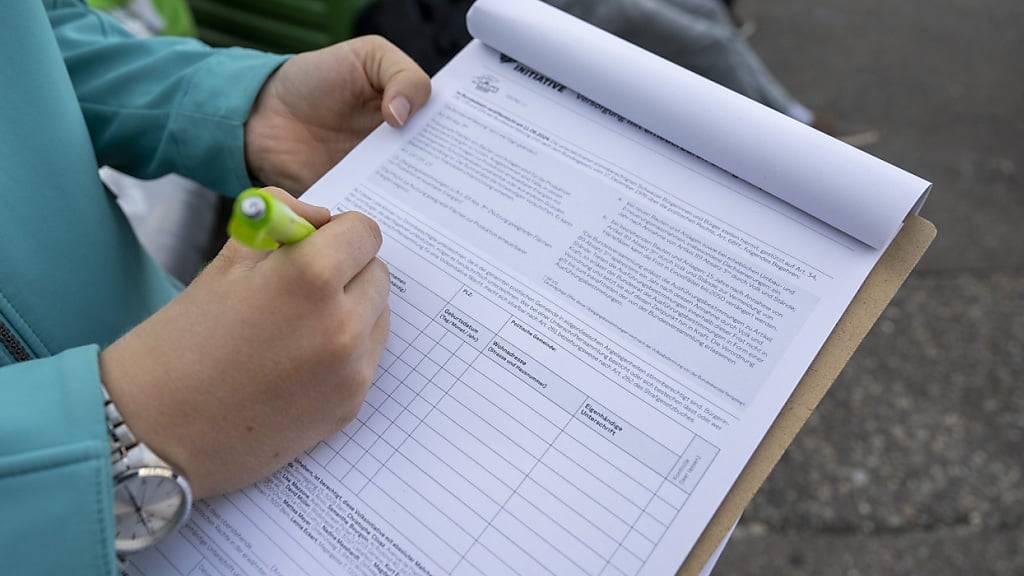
(149, 503)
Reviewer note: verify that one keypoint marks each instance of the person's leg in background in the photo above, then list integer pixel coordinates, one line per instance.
(697, 34)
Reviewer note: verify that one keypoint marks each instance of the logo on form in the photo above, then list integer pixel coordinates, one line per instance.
(486, 83)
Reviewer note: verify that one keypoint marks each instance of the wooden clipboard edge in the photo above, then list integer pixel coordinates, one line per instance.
(867, 306)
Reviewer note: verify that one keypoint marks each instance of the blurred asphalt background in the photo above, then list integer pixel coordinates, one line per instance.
(914, 462)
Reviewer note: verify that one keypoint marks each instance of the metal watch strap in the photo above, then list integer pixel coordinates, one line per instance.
(126, 452)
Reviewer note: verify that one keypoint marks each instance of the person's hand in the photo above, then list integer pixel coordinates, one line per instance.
(260, 357)
(319, 105)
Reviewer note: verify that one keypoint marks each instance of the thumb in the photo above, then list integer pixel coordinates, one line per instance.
(405, 87)
(235, 253)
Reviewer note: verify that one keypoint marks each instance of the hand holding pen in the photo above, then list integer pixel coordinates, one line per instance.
(266, 352)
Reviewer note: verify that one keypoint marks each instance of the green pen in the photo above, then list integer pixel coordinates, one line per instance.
(261, 221)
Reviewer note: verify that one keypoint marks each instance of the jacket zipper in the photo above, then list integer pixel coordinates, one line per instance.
(12, 344)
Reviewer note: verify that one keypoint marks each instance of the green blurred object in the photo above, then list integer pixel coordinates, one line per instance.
(175, 13)
(277, 25)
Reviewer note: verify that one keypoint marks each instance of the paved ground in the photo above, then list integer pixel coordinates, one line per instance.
(914, 463)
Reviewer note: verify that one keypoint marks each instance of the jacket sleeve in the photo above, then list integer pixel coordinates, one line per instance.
(55, 475)
(160, 105)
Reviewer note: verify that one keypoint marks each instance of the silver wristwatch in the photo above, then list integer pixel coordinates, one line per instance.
(151, 499)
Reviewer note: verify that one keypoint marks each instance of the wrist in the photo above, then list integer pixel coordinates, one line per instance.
(151, 499)
(259, 143)
(139, 403)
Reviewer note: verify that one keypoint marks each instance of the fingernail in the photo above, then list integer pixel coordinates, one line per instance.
(400, 108)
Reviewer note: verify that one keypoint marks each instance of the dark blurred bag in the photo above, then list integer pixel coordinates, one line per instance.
(430, 31)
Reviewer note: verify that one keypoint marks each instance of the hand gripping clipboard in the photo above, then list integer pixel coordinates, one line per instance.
(872, 298)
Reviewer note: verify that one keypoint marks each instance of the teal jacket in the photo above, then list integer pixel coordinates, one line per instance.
(76, 91)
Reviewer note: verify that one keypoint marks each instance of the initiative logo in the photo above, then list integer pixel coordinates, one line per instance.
(486, 83)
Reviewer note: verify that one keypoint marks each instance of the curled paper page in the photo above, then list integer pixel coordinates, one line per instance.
(847, 188)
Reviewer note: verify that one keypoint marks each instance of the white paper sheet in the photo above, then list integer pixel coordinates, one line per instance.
(846, 187)
(592, 330)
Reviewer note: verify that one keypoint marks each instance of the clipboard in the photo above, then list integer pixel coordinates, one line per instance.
(874, 295)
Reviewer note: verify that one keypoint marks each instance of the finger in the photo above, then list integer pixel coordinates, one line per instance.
(341, 248)
(367, 292)
(379, 334)
(316, 215)
(405, 86)
(235, 253)
(374, 346)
